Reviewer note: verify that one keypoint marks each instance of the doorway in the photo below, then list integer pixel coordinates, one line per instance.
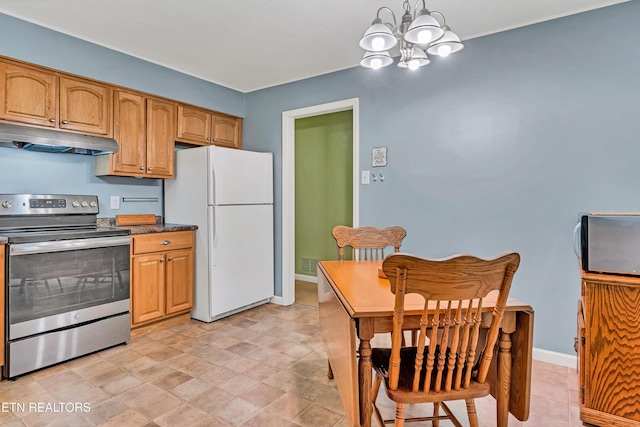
(288, 183)
(323, 194)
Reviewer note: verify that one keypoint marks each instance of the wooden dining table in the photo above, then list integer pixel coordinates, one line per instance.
(355, 304)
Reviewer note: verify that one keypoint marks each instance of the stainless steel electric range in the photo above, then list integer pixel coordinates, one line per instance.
(67, 280)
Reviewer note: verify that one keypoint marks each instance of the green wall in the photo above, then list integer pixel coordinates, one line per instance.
(324, 189)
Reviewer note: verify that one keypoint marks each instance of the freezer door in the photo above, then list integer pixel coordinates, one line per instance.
(239, 177)
(240, 256)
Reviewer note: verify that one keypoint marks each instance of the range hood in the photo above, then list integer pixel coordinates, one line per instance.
(31, 138)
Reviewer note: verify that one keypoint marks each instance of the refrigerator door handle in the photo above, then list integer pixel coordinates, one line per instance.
(214, 244)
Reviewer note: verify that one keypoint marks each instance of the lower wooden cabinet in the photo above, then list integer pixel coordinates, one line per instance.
(162, 276)
(2, 296)
(607, 345)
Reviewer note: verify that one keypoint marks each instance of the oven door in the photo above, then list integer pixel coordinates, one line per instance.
(57, 284)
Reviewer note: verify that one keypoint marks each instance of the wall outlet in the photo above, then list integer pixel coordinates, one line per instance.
(115, 202)
(365, 177)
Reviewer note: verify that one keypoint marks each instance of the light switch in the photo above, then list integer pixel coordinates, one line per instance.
(365, 177)
(115, 202)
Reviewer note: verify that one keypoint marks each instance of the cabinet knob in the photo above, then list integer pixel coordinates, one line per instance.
(65, 122)
(165, 242)
(150, 169)
(52, 120)
(161, 259)
(141, 168)
(170, 258)
(215, 139)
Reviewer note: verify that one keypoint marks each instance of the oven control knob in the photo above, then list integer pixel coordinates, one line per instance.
(6, 204)
(93, 204)
(84, 203)
(75, 204)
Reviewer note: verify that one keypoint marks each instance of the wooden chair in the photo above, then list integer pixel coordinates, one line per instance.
(449, 367)
(369, 242)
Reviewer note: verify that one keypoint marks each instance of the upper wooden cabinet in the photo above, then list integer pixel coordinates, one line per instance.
(85, 106)
(204, 127)
(43, 98)
(161, 130)
(28, 95)
(144, 128)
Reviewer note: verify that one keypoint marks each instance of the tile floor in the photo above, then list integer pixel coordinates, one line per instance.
(307, 293)
(263, 367)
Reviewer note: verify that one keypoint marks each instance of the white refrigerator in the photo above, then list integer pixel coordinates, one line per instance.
(228, 194)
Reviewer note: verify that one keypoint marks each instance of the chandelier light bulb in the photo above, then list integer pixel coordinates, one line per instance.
(376, 60)
(448, 44)
(424, 36)
(377, 44)
(444, 50)
(414, 64)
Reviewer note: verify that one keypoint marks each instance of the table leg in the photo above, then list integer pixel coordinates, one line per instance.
(365, 333)
(504, 378)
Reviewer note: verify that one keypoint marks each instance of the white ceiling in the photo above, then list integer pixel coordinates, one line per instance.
(252, 44)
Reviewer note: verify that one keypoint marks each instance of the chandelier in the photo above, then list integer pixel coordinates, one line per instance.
(416, 33)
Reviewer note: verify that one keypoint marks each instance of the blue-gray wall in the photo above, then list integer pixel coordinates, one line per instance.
(497, 148)
(22, 172)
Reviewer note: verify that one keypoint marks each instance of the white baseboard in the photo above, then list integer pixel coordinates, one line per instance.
(556, 358)
(304, 278)
(277, 300)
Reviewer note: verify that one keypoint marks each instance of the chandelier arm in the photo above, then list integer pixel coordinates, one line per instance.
(444, 21)
(393, 15)
(415, 7)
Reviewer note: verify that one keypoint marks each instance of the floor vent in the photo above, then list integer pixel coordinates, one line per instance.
(309, 265)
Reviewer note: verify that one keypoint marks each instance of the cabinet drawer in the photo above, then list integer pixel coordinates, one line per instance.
(159, 242)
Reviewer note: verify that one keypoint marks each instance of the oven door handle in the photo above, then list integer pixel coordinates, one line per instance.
(67, 245)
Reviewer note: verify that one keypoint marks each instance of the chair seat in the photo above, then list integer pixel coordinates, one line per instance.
(403, 394)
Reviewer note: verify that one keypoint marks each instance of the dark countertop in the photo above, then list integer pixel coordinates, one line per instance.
(109, 223)
(159, 228)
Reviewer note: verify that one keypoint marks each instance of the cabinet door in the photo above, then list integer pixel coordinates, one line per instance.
(27, 95)
(612, 377)
(194, 125)
(147, 288)
(161, 129)
(226, 131)
(85, 106)
(129, 129)
(179, 281)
